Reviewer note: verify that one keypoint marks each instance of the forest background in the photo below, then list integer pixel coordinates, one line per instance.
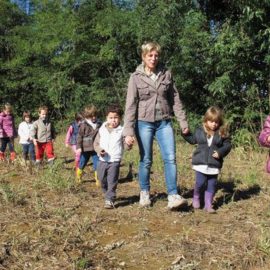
(67, 54)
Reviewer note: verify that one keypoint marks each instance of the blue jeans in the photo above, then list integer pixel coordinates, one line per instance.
(163, 131)
(29, 149)
(84, 158)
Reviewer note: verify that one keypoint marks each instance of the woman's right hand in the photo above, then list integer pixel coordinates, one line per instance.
(129, 140)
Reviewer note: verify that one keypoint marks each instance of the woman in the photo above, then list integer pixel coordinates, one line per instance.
(151, 100)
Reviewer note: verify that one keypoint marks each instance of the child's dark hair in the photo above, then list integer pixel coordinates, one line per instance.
(114, 108)
(26, 114)
(78, 117)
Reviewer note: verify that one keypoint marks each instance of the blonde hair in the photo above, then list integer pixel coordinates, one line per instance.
(43, 108)
(215, 114)
(150, 46)
(7, 107)
(90, 111)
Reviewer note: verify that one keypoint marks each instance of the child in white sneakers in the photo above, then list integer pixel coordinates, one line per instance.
(109, 146)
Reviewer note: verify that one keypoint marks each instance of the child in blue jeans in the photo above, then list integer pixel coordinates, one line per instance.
(85, 141)
(25, 138)
(213, 144)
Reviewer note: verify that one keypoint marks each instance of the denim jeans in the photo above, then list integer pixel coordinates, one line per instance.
(163, 132)
(29, 149)
(85, 156)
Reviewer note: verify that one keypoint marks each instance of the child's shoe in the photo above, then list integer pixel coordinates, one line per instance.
(175, 201)
(108, 204)
(79, 173)
(96, 178)
(2, 156)
(208, 200)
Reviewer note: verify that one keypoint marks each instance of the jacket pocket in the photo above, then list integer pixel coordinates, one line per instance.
(143, 91)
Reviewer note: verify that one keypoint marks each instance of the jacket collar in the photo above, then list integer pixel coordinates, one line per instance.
(146, 78)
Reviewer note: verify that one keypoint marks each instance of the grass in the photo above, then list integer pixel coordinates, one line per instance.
(47, 222)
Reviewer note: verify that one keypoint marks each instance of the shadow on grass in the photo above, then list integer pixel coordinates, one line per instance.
(125, 201)
(231, 193)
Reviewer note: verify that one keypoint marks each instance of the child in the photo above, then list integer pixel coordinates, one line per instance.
(264, 139)
(25, 139)
(71, 137)
(213, 144)
(85, 139)
(7, 132)
(109, 146)
(43, 135)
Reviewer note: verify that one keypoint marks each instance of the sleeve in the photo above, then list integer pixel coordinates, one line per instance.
(97, 147)
(80, 137)
(130, 108)
(265, 133)
(190, 137)
(33, 130)
(20, 130)
(68, 135)
(15, 132)
(226, 147)
(1, 126)
(177, 105)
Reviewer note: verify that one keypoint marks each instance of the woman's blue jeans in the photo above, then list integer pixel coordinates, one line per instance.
(163, 132)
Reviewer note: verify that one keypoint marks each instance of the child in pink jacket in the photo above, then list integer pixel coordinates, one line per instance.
(264, 139)
(7, 132)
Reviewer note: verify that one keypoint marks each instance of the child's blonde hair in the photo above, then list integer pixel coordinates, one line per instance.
(7, 107)
(215, 114)
(43, 108)
(90, 111)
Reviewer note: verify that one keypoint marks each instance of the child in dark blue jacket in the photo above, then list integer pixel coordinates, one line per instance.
(213, 144)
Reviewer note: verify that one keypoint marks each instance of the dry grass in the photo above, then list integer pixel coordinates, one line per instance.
(47, 222)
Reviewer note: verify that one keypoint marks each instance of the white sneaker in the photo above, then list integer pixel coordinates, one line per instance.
(145, 198)
(109, 204)
(175, 201)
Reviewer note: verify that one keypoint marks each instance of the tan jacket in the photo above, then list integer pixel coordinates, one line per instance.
(42, 131)
(142, 96)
